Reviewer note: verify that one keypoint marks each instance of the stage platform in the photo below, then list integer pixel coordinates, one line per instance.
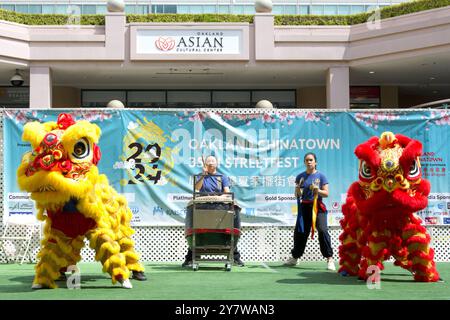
(255, 281)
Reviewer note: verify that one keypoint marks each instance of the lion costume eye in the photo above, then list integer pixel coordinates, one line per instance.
(81, 149)
(365, 171)
(414, 170)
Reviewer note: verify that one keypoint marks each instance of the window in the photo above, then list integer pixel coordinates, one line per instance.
(224, 9)
(188, 99)
(304, 10)
(358, 9)
(238, 10)
(142, 9)
(330, 10)
(249, 9)
(317, 10)
(371, 8)
(9, 7)
(183, 9)
(61, 9)
(209, 9)
(36, 9)
(96, 99)
(22, 8)
(231, 99)
(290, 10)
(344, 9)
(158, 8)
(277, 9)
(279, 98)
(364, 97)
(48, 9)
(131, 9)
(88, 9)
(14, 97)
(146, 99)
(170, 9)
(73, 10)
(100, 9)
(196, 9)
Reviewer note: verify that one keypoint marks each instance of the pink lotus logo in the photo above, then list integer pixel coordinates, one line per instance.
(165, 44)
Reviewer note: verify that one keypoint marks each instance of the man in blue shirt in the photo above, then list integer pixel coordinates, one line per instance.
(211, 181)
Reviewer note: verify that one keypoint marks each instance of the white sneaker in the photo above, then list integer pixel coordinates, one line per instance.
(330, 265)
(37, 286)
(291, 262)
(126, 284)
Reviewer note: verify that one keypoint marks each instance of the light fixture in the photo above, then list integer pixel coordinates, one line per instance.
(432, 78)
(17, 80)
(371, 72)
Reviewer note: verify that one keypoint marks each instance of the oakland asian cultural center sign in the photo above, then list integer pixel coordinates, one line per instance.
(205, 42)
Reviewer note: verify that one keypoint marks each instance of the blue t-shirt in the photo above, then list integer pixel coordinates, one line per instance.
(210, 183)
(308, 179)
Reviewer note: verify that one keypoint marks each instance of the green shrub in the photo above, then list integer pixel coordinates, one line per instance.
(283, 20)
(167, 18)
(385, 12)
(49, 19)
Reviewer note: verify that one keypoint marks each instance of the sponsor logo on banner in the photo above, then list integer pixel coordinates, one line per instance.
(179, 197)
(19, 207)
(134, 210)
(431, 220)
(334, 219)
(433, 164)
(272, 211)
(19, 196)
(439, 196)
(446, 220)
(335, 205)
(275, 198)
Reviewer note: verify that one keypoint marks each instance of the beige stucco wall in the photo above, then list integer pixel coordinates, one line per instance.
(66, 97)
(312, 97)
(316, 48)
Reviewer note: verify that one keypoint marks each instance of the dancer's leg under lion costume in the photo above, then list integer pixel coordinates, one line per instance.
(379, 214)
(75, 201)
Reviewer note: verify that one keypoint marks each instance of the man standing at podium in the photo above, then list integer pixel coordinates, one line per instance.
(212, 181)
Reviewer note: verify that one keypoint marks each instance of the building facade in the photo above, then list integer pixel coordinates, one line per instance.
(315, 7)
(397, 62)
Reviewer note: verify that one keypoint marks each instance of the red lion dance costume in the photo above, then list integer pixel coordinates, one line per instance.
(379, 214)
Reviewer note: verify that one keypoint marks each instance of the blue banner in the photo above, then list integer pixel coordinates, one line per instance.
(151, 156)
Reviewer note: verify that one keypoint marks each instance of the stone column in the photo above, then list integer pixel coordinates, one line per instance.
(338, 88)
(40, 87)
(264, 36)
(115, 35)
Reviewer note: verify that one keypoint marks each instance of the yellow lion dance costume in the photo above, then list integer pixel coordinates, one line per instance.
(75, 201)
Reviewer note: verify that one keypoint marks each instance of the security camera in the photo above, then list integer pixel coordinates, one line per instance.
(17, 80)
